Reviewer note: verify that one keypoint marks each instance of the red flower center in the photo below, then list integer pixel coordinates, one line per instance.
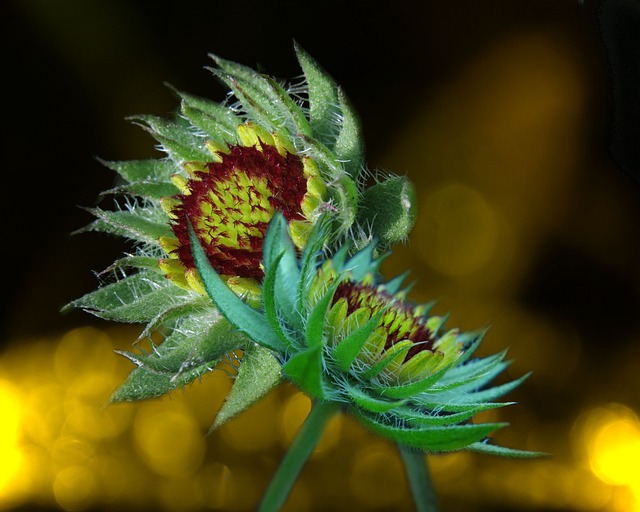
(231, 203)
(399, 319)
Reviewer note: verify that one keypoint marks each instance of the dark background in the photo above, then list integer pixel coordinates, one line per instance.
(74, 70)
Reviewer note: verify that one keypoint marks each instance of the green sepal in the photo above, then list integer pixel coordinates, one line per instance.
(476, 377)
(370, 403)
(429, 439)
(297, 122)
(485, 395)
(134, 261)
(269, 304)
(409, 390)
(243, 316)
(430, 417)
(342, 189)
(349, 146)
(492, 449)
(323, 98)
(277, 244)
(390, 208)
(316, 320)
(193, 348)
(142, 170)
(147, 189)
(177, 140)
(258, 374)
(473, 369)
(139, 298)
(309, 260)
(214, 119)
(393, 286)
(363, 263)
(346, 352)
(129, 224)
(305, 370)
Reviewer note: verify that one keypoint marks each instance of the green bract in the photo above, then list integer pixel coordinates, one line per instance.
(226, 168)
(343, 338)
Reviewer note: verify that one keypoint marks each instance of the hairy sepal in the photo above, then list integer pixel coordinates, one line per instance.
(194, 347)
(243, 316)
(258, 374)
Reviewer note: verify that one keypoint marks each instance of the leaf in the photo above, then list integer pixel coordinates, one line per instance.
(244, 317)
(259, 373)
(270, 307)
(142, 170)
(305, 370)
(430, 439)
(349, 146)
(131, 224)
(485, 395)
(147, 189)
(346, 352)
(194, 347)
(370, 403)
(226, 121)
(278, 246)
(139, 298)
(177, 140)
(492, 449)
(323, 98)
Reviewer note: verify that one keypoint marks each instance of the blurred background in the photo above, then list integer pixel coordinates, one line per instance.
(518, 122)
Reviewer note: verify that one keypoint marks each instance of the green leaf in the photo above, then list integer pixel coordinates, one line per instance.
(195, 345)
(220, 118)
(349, 146)
(305, 370)
(438, 416)
(342, 189)
(409, 390)
(244, 317)
(315, 327)
(492, 449)
(135, 224)
(323, 98)
(139, 298)
(259, 373)
(142, 170)
(430, 439)
(146, 189)
(177, 140)
(346, 352)
(270, 307)
(278, 245)
(370, 403)
(486, 395)
(390, 208)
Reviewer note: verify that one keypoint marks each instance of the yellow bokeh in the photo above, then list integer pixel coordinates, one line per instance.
(10, 429)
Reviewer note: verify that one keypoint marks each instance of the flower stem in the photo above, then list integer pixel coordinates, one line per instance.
(415, 464)
(302, 447)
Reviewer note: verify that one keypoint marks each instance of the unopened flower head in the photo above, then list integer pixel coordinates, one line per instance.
(230, 201)
(271, 145)
(344, 336)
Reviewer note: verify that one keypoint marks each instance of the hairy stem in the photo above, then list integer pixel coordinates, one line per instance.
(302, 447)
(415, 464)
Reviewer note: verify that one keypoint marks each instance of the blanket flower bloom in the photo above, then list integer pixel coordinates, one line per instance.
(344, 337)
(227, 168)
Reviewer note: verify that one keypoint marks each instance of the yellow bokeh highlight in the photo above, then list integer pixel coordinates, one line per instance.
(169, 439)
(607, 439)
(9, 435)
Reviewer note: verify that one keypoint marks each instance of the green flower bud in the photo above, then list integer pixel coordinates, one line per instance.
(342, 335)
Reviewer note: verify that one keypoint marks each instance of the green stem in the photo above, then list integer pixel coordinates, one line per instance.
(302, 447)
(415, 464)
